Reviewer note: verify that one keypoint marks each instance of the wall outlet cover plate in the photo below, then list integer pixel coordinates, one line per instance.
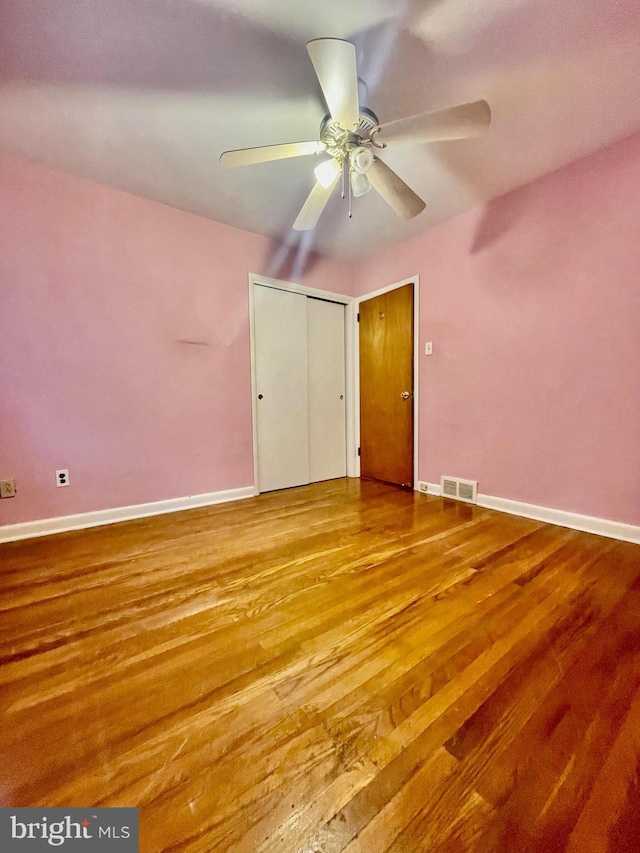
(7, 488)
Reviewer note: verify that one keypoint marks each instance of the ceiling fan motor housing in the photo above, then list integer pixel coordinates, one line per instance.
(340, 141)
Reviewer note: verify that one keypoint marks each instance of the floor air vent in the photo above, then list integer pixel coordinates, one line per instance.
(460, 490)
(449, 487)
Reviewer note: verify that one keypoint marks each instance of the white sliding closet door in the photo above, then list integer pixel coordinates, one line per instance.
(326, 389)
(282, 407)
(300, 388)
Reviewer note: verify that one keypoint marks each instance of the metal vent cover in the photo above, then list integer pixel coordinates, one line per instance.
(459, 489)
(449, 487)
(465, 491)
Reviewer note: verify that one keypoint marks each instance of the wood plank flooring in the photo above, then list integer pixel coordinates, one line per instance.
(341, 667)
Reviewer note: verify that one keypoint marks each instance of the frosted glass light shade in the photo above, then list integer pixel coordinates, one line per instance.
(359, 184)
(327, 171)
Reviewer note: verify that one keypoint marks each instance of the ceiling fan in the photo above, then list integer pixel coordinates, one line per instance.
(353, 138)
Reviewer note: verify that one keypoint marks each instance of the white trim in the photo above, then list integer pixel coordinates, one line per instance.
(254, 414)
(575, 521)
(329, 296)
(352, 408)
(387, 288)
(47, 526)
(415, 281)
(416, 374)
(433, 489)
(294, 287)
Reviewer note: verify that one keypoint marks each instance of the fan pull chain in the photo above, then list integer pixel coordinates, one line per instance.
(350, 194)
(344, 172)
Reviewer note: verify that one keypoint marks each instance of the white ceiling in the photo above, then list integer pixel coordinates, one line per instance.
(145, 94)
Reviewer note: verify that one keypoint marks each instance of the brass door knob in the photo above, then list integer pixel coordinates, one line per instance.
(405, 395)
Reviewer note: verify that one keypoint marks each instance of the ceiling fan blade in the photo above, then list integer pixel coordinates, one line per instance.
(314, 205)
(334, 61)
(459, 122)
(394, 191)
(249, 156)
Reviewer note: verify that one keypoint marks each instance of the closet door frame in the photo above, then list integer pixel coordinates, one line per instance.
(349, 332)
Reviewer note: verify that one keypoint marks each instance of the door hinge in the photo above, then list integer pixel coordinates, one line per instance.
(358, 316)
(358, 451)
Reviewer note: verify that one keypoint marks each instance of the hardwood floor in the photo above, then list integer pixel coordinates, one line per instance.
(341, 667)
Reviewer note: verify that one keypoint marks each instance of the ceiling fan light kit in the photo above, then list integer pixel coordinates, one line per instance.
(359, 184)
(327, 171)
(353, 138)
(361, 160)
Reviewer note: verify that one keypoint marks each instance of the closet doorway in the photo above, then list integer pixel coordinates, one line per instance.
(299, 386)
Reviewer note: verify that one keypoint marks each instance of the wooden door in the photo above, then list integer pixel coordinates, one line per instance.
(326, 387)
(386, 387)
(282, 409)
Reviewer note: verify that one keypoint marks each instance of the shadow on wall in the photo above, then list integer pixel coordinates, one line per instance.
(498, 218)
(524, 240)
(554, 209)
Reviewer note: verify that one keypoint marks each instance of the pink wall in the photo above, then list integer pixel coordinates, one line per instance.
(124, 346)
(533, 307)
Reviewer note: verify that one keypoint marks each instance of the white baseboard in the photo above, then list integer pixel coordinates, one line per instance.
(47, 526)
(433, 489)
(586, 523)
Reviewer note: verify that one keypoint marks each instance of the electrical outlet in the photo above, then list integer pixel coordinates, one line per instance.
(422, 487)
(428, 348)
(62, 477)
(7, 488)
